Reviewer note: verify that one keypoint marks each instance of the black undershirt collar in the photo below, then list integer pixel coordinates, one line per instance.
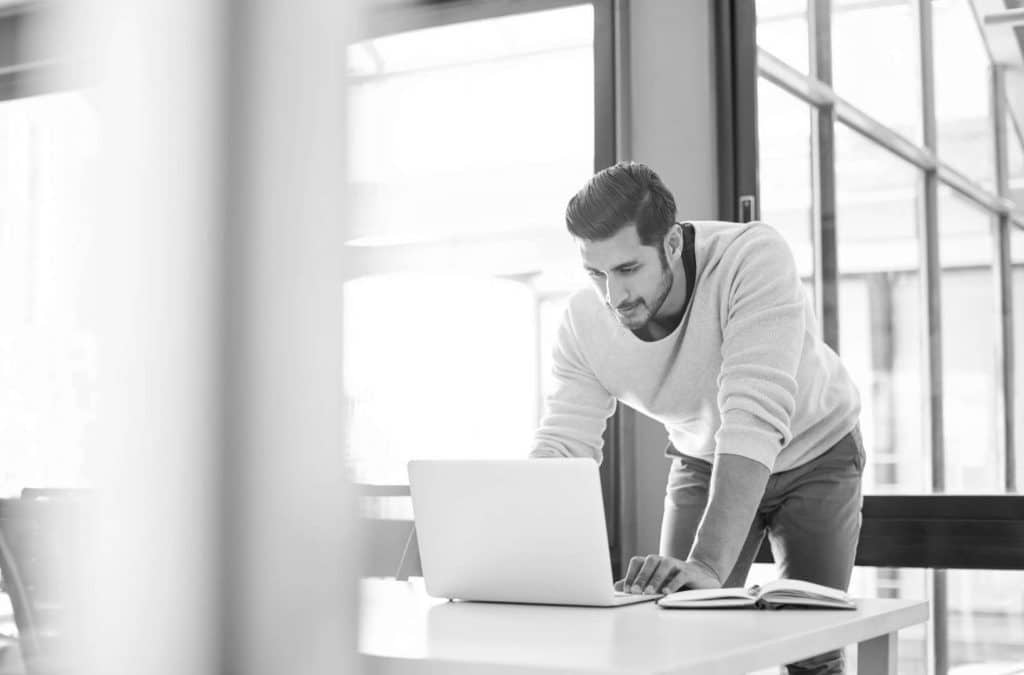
(690, 270)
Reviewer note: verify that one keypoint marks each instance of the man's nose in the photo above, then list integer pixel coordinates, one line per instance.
(615, 292)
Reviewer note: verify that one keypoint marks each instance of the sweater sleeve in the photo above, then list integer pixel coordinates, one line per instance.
(579, 406)
(763, 327)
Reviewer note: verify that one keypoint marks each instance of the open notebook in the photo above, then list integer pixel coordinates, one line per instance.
(772, 595)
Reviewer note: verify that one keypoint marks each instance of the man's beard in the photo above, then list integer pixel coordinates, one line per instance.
(637, 314)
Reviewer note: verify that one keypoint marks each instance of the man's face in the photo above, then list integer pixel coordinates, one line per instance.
(633, 279)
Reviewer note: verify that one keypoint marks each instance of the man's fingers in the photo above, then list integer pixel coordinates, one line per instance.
(643, 577)
(635, 563)
(661, 574)
(667, 569)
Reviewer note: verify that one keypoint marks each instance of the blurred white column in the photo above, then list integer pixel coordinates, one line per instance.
(293, 590)
(225, 542)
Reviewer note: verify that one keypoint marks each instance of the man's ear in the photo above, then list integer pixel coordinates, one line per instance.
(674, 242)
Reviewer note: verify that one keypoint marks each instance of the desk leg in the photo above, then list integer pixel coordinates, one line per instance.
(877, 656)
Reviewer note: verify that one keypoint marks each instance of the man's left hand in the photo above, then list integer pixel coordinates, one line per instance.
(664, 574)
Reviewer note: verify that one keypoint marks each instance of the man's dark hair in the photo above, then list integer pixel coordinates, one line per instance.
(623, 194)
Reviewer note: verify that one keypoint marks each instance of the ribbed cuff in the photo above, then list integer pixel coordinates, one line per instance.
(756, 445)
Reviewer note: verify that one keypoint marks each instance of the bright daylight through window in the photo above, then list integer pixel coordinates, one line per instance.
(48, 359)
(467, 141)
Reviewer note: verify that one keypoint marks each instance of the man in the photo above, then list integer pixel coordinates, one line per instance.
(705, 327)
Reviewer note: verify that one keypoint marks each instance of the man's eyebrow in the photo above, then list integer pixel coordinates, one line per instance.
(618, 268)
(628, 263)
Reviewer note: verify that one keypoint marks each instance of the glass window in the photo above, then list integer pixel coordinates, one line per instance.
(782, 31)
(969, 330)
(879, 307)
(440, 365)
(880, 75)
(48, 360)
(962, 98)
(1014, 161)
(489, 135)
(985, 622)
(467, 141)
(784, 151)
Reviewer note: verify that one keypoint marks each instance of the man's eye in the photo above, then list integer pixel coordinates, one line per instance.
(629, 270)
(594, 274)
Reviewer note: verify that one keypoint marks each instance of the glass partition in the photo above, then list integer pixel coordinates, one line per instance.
(879, 307)
(969, 333)
(962, 99)
(467, 141)
(878, 75)
(784, 153)
(48, 356)
(985, 610)
(782, 30)
(883, 217)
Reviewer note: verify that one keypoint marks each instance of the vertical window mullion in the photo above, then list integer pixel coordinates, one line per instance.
(605, 129)
(930, 264)
(739, 196)
(625, 505)
(1005, 431)
(823, 170)
(607, 73)
(932, 347)
(744, 79)
(727, 49)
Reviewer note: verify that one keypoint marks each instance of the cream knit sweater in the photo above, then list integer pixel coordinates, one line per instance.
(743, 373)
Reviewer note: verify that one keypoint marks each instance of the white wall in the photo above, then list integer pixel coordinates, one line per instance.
(672, 129)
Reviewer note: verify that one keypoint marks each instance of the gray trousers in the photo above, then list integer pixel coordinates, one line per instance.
(811, 515)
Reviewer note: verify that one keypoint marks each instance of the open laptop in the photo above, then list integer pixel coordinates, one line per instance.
(528, 530)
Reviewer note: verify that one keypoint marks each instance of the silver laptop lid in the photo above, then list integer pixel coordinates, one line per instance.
(530, 530)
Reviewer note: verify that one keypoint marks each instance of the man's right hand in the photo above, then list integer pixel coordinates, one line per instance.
(664, 574)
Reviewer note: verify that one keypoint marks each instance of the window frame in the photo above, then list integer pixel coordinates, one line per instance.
(740, 163)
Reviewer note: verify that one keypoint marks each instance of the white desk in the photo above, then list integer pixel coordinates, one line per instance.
(403, 631)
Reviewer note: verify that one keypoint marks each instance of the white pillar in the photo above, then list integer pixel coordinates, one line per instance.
(225, 540)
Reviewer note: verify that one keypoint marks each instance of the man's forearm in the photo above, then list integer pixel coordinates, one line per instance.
(737, 486)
